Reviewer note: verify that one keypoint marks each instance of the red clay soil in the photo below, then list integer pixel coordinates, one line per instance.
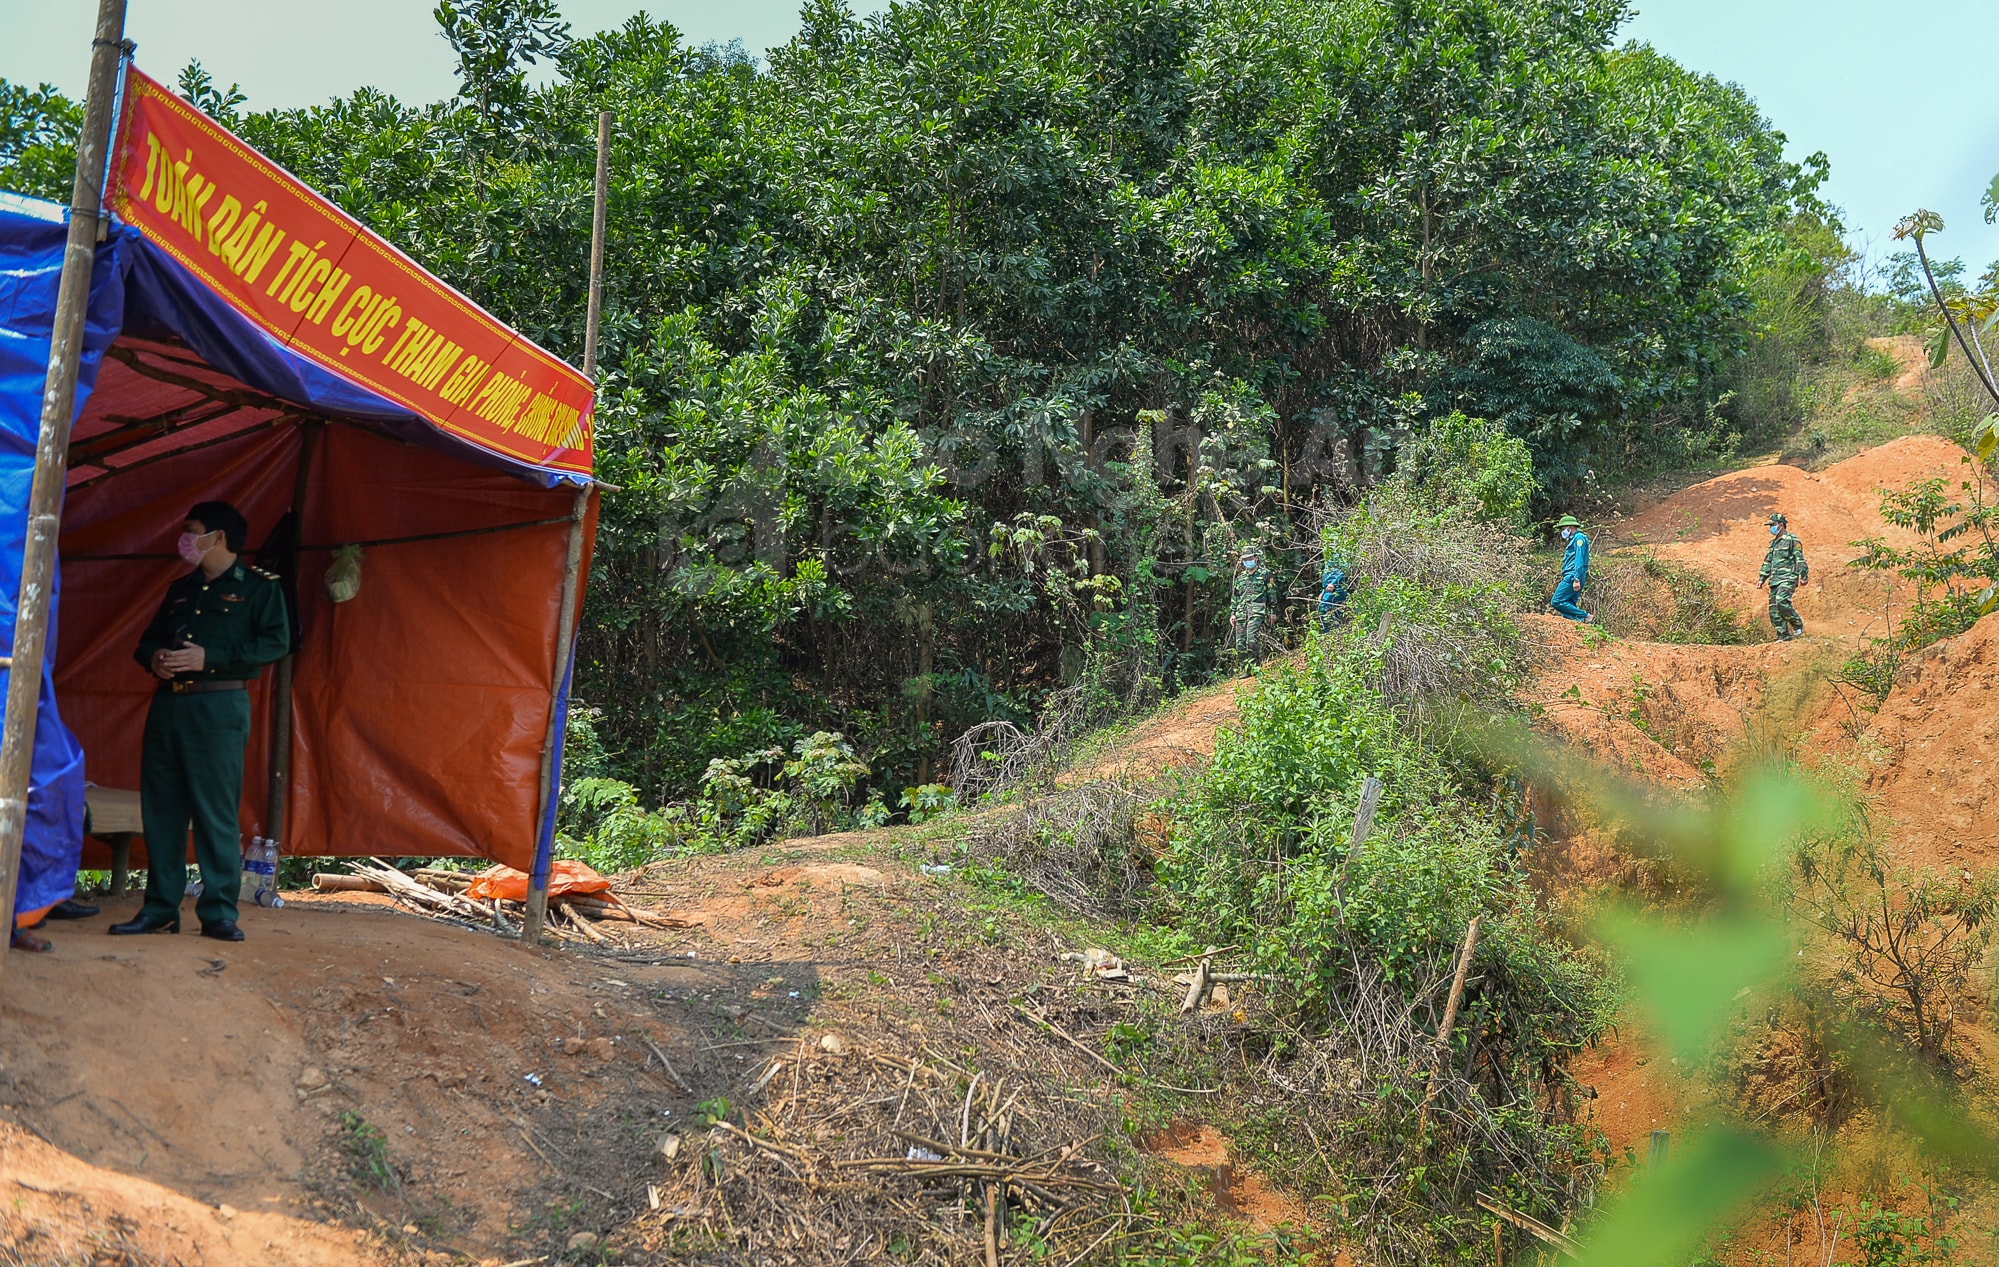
(1654, 710)
(1238, 1189)
(1178, 738)
(155, 1080)
(1718, 528)
(1933, 749)
(55, 1207)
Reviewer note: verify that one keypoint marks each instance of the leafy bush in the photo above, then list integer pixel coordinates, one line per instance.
(1951, 574)
(1895, 1238)
(1261, 852)
(1472, 464)
(1440, 587)
(742, 801)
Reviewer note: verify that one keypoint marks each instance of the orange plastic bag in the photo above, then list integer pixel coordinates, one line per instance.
(565, 879)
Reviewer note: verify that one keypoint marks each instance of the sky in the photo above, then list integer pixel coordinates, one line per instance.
(1855, 78)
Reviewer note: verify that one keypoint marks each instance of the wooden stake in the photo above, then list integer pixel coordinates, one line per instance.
(565, 631)
(1458, 985)
(1363, 819)
(44, 519)
(992, 1225)
(1444, 1031)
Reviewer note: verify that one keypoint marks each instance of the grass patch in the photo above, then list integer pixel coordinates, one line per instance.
(367, 1153)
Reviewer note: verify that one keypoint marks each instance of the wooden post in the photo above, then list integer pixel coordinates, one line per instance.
(565, 630)
(281, 686)
(38, 554)
(1363, 818)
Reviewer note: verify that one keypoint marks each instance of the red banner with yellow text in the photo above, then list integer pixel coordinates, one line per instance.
(334, 293)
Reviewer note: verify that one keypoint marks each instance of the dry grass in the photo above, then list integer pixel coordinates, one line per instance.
(1643, 597)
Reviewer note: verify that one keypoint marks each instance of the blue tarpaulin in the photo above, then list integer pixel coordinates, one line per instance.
(32, 237)
(138, 290)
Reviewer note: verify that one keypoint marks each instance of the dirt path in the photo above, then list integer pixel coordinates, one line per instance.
(357, 1084)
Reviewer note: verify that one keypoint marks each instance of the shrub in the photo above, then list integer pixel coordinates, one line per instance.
(1908, 938)
(1658, 600)
(1439, 586)
(747, 800)
(1367, 933)
(1471, 463)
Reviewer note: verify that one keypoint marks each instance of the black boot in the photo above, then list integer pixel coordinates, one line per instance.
(142, 923)
(222, 930)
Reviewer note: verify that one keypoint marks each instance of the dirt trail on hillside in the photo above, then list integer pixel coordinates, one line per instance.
(360, 1085)
(1660, 712)
(1717, 528)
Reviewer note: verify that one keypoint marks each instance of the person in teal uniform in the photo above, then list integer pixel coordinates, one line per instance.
(1567, 598)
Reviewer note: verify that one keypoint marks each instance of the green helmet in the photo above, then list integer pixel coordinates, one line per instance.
(1568, 521)
(1776, 518)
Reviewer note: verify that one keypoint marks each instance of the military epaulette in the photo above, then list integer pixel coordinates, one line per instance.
(269, 576)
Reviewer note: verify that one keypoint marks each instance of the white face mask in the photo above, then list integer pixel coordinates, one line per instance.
(190, 547)
(1567, 533)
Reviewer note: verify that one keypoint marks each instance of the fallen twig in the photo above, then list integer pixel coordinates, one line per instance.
(671, 1072)
(1040, 1018)
(1530, 1225)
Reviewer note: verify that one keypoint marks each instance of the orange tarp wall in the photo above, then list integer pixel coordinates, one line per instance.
(419, 708)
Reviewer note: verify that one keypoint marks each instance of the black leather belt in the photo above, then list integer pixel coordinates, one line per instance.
(201, 686)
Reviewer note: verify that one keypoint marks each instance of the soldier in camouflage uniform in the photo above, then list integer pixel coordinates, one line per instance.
(1784, 569)
(1248, 611)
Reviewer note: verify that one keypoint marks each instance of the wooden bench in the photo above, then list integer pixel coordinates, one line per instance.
(112, 815)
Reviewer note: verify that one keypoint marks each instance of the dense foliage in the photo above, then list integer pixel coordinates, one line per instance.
(946, 351)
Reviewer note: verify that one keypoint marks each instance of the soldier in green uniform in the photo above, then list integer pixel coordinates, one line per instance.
(1784, 569)
(218, 627)
(1249, 608)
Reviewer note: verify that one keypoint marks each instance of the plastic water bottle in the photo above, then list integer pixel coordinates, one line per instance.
(268, 895)
(260, 868)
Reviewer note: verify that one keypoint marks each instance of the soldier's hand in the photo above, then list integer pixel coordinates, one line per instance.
(159, 665)
(188, 659)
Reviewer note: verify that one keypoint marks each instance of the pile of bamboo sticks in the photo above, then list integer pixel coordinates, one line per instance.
(439, 892)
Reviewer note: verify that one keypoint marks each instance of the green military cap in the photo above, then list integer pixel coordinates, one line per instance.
(1777, 517)
(1568, 521)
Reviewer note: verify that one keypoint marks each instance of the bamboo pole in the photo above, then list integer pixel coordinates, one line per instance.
(565, 630)
(38, 554)
(276, 803)
(1443, 1047)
